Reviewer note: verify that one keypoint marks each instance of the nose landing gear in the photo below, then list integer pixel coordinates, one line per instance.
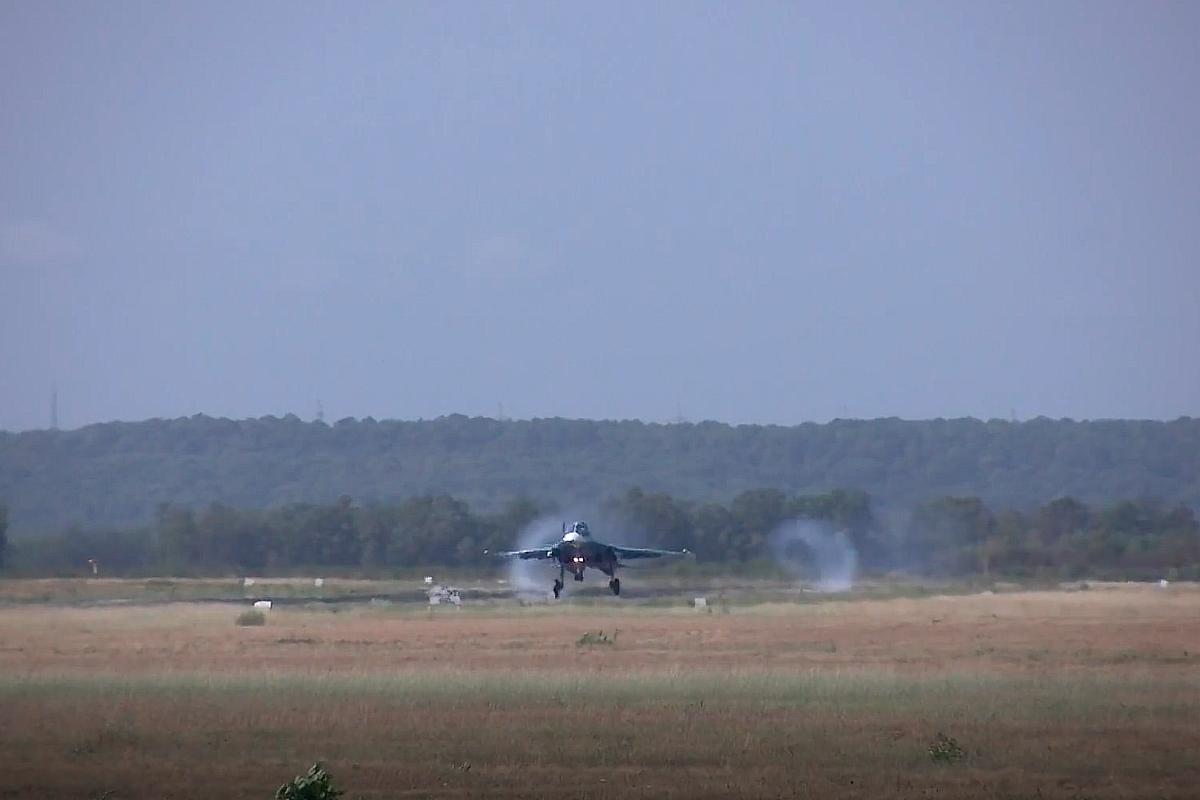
(558, 587)
(615, 585)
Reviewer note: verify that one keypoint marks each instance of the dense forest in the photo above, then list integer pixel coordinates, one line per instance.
(118, 474)
(946, 536)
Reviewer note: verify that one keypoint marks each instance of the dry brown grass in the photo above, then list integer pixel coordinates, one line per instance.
(1124, 631)
(1087, 694)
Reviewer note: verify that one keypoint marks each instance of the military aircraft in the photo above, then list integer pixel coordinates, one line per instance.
(577, 551)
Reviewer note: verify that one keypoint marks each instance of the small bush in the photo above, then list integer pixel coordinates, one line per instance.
(944, 750)
(316, 785)
(588, 639)
(252, 617)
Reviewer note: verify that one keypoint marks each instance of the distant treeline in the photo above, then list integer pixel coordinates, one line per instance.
(118, 474)
(947, 536)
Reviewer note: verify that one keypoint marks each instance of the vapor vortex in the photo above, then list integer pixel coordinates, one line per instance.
(799, 546)
(525, 577)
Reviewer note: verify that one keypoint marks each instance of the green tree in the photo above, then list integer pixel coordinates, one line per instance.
(429, 529)
(657, 516)
(1059, 519)
(501, 531)
(949, 535)
(715, 538)
(3, 533)
(1136, 539)
(1010, 547)
(849, 511)
(115, 474)
(333, 534)
(178, 537)
(379, 524)
(756, 513)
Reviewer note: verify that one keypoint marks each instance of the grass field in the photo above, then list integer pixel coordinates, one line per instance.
(1056, 694)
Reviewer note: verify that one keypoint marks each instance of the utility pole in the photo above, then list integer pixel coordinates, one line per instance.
(54, 407)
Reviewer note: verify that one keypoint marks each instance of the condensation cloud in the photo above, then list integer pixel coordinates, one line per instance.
(533, 579)
(812, 550)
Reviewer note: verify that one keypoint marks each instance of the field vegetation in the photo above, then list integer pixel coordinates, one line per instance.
(1069, 694)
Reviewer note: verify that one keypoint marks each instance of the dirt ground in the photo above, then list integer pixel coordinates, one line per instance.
(1054, 694)
(1122, 629)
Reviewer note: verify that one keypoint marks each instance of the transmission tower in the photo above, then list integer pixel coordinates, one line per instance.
(320, 412)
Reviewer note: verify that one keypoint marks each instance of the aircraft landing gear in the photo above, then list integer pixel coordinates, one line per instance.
(558, 587)
(615, 585)
(579, 577)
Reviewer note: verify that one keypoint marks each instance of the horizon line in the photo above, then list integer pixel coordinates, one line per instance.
(674, 422)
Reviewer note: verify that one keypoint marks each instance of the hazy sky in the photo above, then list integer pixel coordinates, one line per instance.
(749, 212)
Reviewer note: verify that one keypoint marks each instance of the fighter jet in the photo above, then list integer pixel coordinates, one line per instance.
(577, 551)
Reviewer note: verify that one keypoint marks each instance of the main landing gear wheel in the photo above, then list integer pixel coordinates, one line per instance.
(558, 587)
(615, 585)
(579, 577)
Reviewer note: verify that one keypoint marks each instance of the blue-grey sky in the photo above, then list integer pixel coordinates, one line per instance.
(748, 212)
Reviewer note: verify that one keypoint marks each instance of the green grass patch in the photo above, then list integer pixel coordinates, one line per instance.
(952, 696)
(251, 617)
(609, 736)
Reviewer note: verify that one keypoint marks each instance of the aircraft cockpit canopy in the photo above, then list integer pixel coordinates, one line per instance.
(579, 527)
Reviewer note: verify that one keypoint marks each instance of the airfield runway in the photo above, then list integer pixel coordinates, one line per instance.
(1067, 694)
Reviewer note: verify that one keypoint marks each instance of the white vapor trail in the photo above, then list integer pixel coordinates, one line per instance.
(535, 577)
(799, 545)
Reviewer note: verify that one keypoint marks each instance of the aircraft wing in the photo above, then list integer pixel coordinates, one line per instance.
(548, 551)
(631, 553)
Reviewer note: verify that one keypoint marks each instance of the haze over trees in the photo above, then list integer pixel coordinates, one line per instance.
(118, 474)
(3, 533)
(946, 537)
(943, 497)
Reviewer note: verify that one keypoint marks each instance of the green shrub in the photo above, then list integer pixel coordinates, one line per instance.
(944, 750)
(588, 639)
(316, 785)
(252, 617)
